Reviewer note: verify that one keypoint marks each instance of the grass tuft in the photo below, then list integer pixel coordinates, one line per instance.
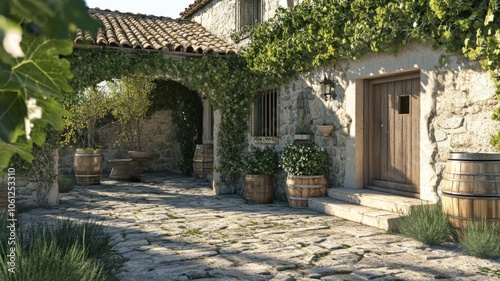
(66, 184)
(65, 251)
(427, 224)
(481, 239)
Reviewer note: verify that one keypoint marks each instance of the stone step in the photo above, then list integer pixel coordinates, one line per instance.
(362, 214)
(376, 199)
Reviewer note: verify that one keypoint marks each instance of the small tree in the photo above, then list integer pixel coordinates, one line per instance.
(87, 112)
(130, 97)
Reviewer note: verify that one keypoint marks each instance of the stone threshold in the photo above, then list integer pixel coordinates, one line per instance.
(368, 207)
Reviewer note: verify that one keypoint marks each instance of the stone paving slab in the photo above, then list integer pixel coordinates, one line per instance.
(173, 228)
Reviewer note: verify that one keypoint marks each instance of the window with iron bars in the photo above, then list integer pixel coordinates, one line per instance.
(265, 114)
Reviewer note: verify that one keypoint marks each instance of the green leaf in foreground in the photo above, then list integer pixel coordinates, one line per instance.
(12, 113)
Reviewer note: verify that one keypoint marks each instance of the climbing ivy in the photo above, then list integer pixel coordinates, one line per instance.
(318, 32)
(313, 33)
(187, 113)
(226, 82)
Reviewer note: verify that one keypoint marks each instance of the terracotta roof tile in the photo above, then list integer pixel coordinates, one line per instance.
(138, 31)
(193, 8)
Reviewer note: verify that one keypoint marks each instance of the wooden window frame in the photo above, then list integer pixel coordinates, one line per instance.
(248, 13)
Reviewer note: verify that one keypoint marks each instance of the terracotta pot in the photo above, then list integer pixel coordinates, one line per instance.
(120, 169)
(140, 154)
(326, 130)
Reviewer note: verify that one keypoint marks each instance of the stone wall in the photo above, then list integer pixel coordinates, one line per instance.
(303, 94)
(158, 137)
(456, 104)
(465, 100)
(219, 16)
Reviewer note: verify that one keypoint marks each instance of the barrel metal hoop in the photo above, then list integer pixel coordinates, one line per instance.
(476, 180)
(299, 198)
(474, 156)
(307, 186)
(472, 174)
(86, 155)
(482, 196)
(473, 219)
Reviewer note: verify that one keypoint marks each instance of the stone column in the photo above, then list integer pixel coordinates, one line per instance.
(53, 192)
(207, 122)
(218, 187)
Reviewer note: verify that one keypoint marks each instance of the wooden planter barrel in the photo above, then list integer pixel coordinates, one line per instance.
(258, 189)
(88, 166)
(301, 188)
(471, 188)
(203, 160)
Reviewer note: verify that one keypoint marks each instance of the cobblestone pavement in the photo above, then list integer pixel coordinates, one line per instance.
(173, 228)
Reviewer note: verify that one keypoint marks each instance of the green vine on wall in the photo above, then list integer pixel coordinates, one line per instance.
(187, 113)
(316, 32)
(319, 32)
(226, 82)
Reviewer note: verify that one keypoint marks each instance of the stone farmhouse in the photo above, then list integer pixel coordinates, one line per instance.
(395, 118)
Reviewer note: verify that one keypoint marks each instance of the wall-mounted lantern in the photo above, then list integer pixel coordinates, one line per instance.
(328, 88)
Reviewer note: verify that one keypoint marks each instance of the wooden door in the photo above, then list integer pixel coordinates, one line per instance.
(392, 117)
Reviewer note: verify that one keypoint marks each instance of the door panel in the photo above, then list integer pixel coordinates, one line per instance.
(392, 114)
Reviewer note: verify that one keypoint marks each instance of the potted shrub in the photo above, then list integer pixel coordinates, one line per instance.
(259, 165)
(130, 98)
(305, 163)
(91, 108)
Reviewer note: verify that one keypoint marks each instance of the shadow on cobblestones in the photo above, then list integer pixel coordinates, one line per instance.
(173, 228)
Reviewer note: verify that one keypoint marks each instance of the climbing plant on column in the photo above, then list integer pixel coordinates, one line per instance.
(229, 85)
(226, 82)
(187, 113)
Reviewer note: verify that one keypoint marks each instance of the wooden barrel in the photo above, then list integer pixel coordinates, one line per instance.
(471, 188)
(88, 166)
(258, 189)
(203, 160)
(301, 188)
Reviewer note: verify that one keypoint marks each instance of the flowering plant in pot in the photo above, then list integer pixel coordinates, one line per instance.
(259, 164)
(306, 164)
